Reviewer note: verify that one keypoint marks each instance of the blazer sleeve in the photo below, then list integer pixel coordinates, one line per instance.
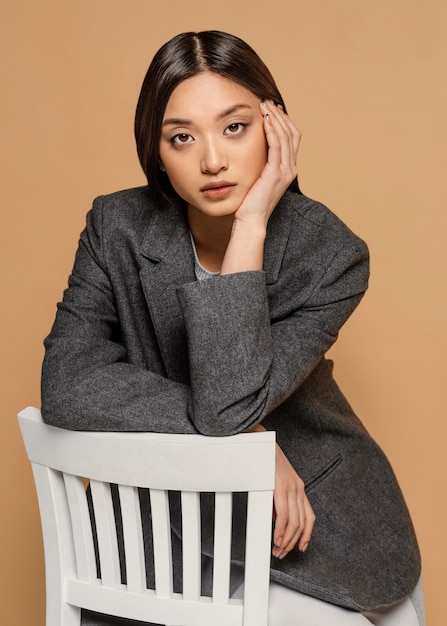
(87, 383)
(246, 364)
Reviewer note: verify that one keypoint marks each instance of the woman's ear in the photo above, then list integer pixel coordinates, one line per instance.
(161, 166)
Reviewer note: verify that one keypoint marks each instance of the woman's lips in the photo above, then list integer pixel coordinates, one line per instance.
(218, 190)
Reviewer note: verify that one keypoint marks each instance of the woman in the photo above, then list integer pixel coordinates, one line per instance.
(206, 301)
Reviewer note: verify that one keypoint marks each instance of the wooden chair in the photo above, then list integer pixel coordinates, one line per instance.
(64, 462)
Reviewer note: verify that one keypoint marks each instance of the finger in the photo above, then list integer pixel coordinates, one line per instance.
(304, 532)
(289, 521)
(308, 526)
(296, 522)
(280, 159)
(283, 139)
(284, 123)
(279, 126)
(293, 134)
(281, 518)
(272, 136)
(298, 527)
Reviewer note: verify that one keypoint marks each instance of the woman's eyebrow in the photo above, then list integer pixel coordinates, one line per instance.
(180, 121)
(176, 121)
(232, 110)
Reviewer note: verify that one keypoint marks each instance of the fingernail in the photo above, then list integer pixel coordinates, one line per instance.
(263, 102)
(304, 548)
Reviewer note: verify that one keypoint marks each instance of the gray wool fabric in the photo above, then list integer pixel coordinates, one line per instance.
(139, 344)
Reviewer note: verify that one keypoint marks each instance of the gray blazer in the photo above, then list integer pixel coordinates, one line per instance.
(138, 344)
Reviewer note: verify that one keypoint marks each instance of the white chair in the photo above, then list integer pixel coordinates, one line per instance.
(65, 461)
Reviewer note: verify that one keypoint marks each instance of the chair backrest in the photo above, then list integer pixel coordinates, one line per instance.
(83, 568)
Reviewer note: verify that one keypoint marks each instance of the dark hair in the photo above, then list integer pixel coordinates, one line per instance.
(184, 56)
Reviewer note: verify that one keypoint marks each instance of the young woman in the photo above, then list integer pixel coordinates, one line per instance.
(206, 301)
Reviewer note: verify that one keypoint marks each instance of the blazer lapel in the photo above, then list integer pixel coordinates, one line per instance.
(168, 262)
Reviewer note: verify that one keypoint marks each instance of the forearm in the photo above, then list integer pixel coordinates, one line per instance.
(249, 352)
(229, 361)
(113, 397)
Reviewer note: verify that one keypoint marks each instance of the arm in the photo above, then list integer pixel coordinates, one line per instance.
(247, 354)
(87, 381)
(248, 367)
(280, 354)
(261, 369)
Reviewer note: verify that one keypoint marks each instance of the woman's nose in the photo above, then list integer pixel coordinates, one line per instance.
(214, 157)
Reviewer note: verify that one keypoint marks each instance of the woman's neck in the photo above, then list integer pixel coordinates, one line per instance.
(211, 236)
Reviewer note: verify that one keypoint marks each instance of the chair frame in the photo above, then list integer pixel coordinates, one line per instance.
(62, 460)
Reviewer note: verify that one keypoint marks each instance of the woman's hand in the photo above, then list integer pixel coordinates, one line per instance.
(245, 250)
(293, 514)
(283, 140)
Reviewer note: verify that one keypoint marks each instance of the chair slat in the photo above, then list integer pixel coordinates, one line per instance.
(222, 547)
(82, 527)
(191, 543)
(106, 531)
(257, 558)
(161, 531)
(60, 557)
(133, 538)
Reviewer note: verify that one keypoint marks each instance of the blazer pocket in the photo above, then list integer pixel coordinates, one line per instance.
(321, 474)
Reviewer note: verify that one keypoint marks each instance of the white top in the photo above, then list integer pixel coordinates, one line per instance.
(200, 271)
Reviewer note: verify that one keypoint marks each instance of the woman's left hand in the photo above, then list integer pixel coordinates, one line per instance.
(283, 140)
(245, 250)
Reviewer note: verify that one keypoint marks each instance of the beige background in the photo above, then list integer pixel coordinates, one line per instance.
(366, 83)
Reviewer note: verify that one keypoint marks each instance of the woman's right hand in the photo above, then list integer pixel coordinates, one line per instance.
(293, 515)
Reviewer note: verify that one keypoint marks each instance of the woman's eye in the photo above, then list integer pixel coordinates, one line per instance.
(234, 129)
(181, 138)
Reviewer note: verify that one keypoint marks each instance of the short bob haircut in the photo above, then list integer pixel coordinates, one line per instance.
(182, 57)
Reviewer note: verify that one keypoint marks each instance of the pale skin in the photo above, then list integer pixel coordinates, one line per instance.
(231, 158)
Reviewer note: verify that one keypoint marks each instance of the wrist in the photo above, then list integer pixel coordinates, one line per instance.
(245, 250)
(254, 227)
(259, 428)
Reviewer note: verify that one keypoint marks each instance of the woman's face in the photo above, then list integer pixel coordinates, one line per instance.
(212, 146)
